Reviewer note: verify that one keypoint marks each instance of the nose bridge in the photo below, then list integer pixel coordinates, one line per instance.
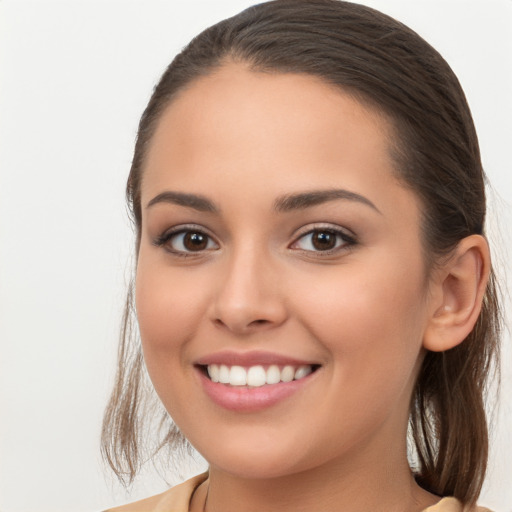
(248, 295)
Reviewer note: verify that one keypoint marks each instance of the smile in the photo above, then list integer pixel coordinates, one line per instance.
(258, 375)
(253, 381)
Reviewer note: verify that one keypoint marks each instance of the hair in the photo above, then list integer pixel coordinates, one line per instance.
(387, 66)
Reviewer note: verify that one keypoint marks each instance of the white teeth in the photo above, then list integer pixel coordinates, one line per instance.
(273, 374)
(302, 371)
(213, 372)
(256, 376)
(223, 374)
(287, 373)
(238, 376)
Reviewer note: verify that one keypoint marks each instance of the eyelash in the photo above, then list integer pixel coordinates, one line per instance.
(343, 240)
(166, 237)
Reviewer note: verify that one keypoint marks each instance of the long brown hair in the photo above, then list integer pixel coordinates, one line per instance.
(388, 66)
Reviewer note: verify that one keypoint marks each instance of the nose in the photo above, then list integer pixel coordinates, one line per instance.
(249, 295)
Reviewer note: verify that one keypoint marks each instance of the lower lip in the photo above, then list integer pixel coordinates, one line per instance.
(243, 399)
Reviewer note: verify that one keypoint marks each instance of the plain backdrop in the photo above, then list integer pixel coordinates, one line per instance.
(74, 79)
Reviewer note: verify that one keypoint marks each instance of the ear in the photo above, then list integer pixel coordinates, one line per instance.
(457, 291)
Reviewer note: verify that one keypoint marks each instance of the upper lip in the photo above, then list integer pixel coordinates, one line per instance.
(251, 358)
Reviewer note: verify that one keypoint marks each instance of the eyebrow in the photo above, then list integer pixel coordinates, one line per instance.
(315, 197)
(282, 204)
(197, 202)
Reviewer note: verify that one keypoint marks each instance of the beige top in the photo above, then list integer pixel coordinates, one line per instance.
(178, 498)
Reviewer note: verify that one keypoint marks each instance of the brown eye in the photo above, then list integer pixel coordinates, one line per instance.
(323, 240)
(195, 241)
(186, 241)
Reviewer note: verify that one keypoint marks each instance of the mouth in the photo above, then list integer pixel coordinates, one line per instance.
(256, 376)
(253, 381)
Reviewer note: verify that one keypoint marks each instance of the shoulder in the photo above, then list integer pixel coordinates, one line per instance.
(178, 498)
(453, 505)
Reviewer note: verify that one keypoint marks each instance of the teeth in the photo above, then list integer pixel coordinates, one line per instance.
(237, 376)
(223, 374)
(273, 374)
(287, 373)
(256, 376)
(302, 371)
(214, 372)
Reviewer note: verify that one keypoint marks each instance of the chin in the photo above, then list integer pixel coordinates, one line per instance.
(255, 459)
(260, 468)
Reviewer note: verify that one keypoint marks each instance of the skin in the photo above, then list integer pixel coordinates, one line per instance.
(242, 140)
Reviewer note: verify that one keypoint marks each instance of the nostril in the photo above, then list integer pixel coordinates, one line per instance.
(259, 322)
(246, 327)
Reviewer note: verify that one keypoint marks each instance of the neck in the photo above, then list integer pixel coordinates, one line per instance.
(360, 484)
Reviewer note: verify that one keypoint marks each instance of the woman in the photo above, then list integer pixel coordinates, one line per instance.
(312, 271)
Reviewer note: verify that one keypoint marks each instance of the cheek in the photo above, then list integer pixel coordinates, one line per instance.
(370, 318)
(167, 314)
(168, 311)
(371, 324)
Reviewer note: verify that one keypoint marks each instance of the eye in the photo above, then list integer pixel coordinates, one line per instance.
(186, 241)
(323, 240)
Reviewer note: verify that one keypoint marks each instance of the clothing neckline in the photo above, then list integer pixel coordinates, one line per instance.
(445, 504)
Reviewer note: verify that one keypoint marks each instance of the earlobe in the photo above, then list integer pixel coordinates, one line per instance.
(460, 286)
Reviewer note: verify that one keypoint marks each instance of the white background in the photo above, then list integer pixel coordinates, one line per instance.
(75, 77)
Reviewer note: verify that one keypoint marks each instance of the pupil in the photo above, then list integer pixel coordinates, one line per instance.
(195, 241)
(324, 240)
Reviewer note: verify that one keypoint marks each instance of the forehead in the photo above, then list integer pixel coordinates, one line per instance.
(240, 127)
(273, 99)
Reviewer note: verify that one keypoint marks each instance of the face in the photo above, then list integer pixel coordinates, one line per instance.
(279, 254)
